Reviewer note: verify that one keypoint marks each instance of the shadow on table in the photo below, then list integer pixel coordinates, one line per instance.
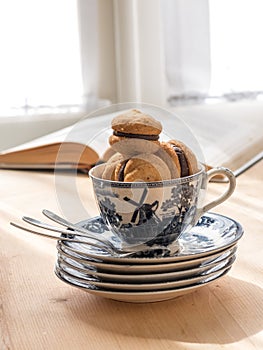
(220, 313)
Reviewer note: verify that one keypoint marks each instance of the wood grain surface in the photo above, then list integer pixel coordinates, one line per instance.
(38, 311)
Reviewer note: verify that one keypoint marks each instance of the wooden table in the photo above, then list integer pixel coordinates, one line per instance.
(38, 311)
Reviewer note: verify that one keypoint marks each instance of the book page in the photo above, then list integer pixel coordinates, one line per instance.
(229, 134)
(221, 135)
(82, 132)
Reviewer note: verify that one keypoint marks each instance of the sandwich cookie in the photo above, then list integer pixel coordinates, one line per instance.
(140, 168)
(109, 169)
(187, 159)
(184, 162)
(135, 131)
(107, 155)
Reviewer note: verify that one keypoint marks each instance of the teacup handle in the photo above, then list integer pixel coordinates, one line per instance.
(231, 187)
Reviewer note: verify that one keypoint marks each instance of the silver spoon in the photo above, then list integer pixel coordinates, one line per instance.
(135, 248)
(103, 242)
(59, 238)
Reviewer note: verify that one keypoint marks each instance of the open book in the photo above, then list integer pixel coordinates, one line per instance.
(235, 144)
(72, 155)
(75, 147)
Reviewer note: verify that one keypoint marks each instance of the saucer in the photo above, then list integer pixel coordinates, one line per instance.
(86, 279)
(165, 266)
(213, 233)
(207, 252)
(136, 297)
(203, 269)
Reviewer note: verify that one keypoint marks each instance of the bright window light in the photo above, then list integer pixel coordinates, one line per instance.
(213, 49)
(236, 29)
(40, 57)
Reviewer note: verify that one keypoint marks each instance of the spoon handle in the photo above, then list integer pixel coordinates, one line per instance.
(57, 229)
(59, 238)
(105, 242)
(64, 222)
(108, 245)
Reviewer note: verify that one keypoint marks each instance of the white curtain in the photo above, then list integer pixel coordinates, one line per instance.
(70, 53)
(139, 51)
(213, 48)
(186, 42)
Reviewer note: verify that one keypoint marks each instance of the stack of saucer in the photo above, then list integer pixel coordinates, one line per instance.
(207, 252)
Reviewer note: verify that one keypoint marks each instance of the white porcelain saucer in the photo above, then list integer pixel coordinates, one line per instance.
(139, 296)
(142, 286)
(213, 233)
(129, 269)
(207, 253)
(69, 264)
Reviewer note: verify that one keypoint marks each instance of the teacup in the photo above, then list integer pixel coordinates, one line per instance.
(155, 213)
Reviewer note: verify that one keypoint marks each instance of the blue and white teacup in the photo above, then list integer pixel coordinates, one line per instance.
(155, 213)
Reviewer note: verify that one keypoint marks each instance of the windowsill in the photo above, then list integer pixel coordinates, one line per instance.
(28, 113)
(21, 128)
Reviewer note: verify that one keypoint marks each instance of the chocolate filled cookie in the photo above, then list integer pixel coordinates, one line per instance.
(134, 132)
(110, 165)
(107, 154)
(184, 162)
(147, 168)
(187, 158)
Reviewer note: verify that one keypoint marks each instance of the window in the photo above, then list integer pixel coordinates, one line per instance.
(236, 29)
(42, 55)
(213, 49)
(57, 53)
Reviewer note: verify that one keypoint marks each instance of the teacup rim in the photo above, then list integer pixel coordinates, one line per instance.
(180, 180)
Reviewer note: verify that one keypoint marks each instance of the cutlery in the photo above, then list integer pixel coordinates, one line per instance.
(134, 248)
(107, 249)
(103, 242)
(87, 234)
(60, 238)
